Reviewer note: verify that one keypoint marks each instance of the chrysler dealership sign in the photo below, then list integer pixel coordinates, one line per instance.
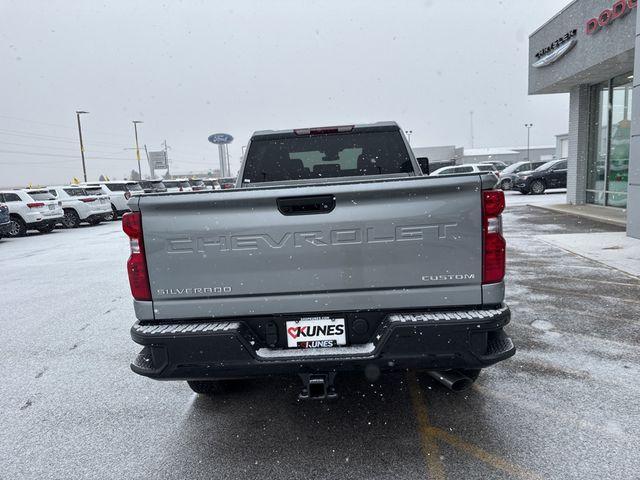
(556, 50)
(609, 15)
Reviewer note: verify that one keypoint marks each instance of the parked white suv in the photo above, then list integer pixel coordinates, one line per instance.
(468, 168)
(34, 209)
(80, 206)
(119, 193)
(178, 185)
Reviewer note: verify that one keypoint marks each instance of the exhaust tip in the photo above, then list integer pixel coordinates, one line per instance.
(452, 379)
(461, 385)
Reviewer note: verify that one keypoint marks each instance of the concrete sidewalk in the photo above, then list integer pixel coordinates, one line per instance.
(610, 215)
(613, 249)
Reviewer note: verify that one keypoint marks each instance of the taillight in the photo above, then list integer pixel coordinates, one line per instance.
(494, 251)
(127, 195)
(35, 205)
(137, 263)
(87, 200)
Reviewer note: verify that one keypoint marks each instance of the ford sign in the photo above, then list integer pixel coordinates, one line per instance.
(220, 138)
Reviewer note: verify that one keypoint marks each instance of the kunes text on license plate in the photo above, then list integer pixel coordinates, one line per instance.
(316, 332)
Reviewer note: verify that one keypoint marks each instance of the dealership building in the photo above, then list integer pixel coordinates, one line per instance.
(588, 50)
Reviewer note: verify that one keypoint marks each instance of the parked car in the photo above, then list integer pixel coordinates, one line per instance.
(80, 206)
(35, 209)
(211, 184)
(508, 175)
(197, 184)
(467, 168)
(552, 174)
(119, 193)
(5, 221)
(227, 183)
(152, 186)
(177, 185)
(500, 166)
(362, 285)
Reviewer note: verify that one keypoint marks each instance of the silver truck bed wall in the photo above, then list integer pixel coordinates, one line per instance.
(406, 243)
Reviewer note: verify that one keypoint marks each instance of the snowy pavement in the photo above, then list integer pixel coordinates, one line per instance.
(564, 407)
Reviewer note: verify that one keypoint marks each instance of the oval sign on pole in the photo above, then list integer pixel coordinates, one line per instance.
(220, 138)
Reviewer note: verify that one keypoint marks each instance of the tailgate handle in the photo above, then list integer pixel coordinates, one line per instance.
(306, 205)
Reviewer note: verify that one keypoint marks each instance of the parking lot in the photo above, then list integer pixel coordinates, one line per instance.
(564, 407)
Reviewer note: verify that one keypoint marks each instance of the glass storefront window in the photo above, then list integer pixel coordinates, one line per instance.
(608, 161)
(599, 144)
(618, 168)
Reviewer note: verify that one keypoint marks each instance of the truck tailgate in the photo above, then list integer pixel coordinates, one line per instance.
(411, 242)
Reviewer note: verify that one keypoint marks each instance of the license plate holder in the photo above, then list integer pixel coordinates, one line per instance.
(316, 332)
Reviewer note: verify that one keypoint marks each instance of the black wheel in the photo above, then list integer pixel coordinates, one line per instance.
(207, 387)
(47, 228)
(219, 387)
(70, 219)
(111, 216)
(17, 227)
(537, 187)
(506, 184)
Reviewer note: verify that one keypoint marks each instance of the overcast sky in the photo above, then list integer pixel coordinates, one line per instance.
(192, 68)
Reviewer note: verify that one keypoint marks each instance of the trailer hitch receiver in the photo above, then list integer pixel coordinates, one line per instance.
(318, 386)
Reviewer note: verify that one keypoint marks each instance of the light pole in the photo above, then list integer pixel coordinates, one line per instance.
(135, 129)
(409, 132)
(84, 168)
(528, 125)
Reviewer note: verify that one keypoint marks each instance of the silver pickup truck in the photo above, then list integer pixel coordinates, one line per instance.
(333, 253)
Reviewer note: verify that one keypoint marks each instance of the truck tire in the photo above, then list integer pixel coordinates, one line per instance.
(206, 387)
(538, 187)
(218, 387)
(47, 228)
(71, 218)
(17, 227)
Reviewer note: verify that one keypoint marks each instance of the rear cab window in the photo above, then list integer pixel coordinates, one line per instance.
(486, 168)
(133, 187)
(352, 154)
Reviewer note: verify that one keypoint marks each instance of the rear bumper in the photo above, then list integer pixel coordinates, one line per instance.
(443, 339)
(44, 222)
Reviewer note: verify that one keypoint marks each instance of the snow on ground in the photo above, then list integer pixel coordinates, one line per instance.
(614, 249)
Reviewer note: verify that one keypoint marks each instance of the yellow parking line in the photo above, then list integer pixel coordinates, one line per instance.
(429, 445)
(484, 456)
(429, 435)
